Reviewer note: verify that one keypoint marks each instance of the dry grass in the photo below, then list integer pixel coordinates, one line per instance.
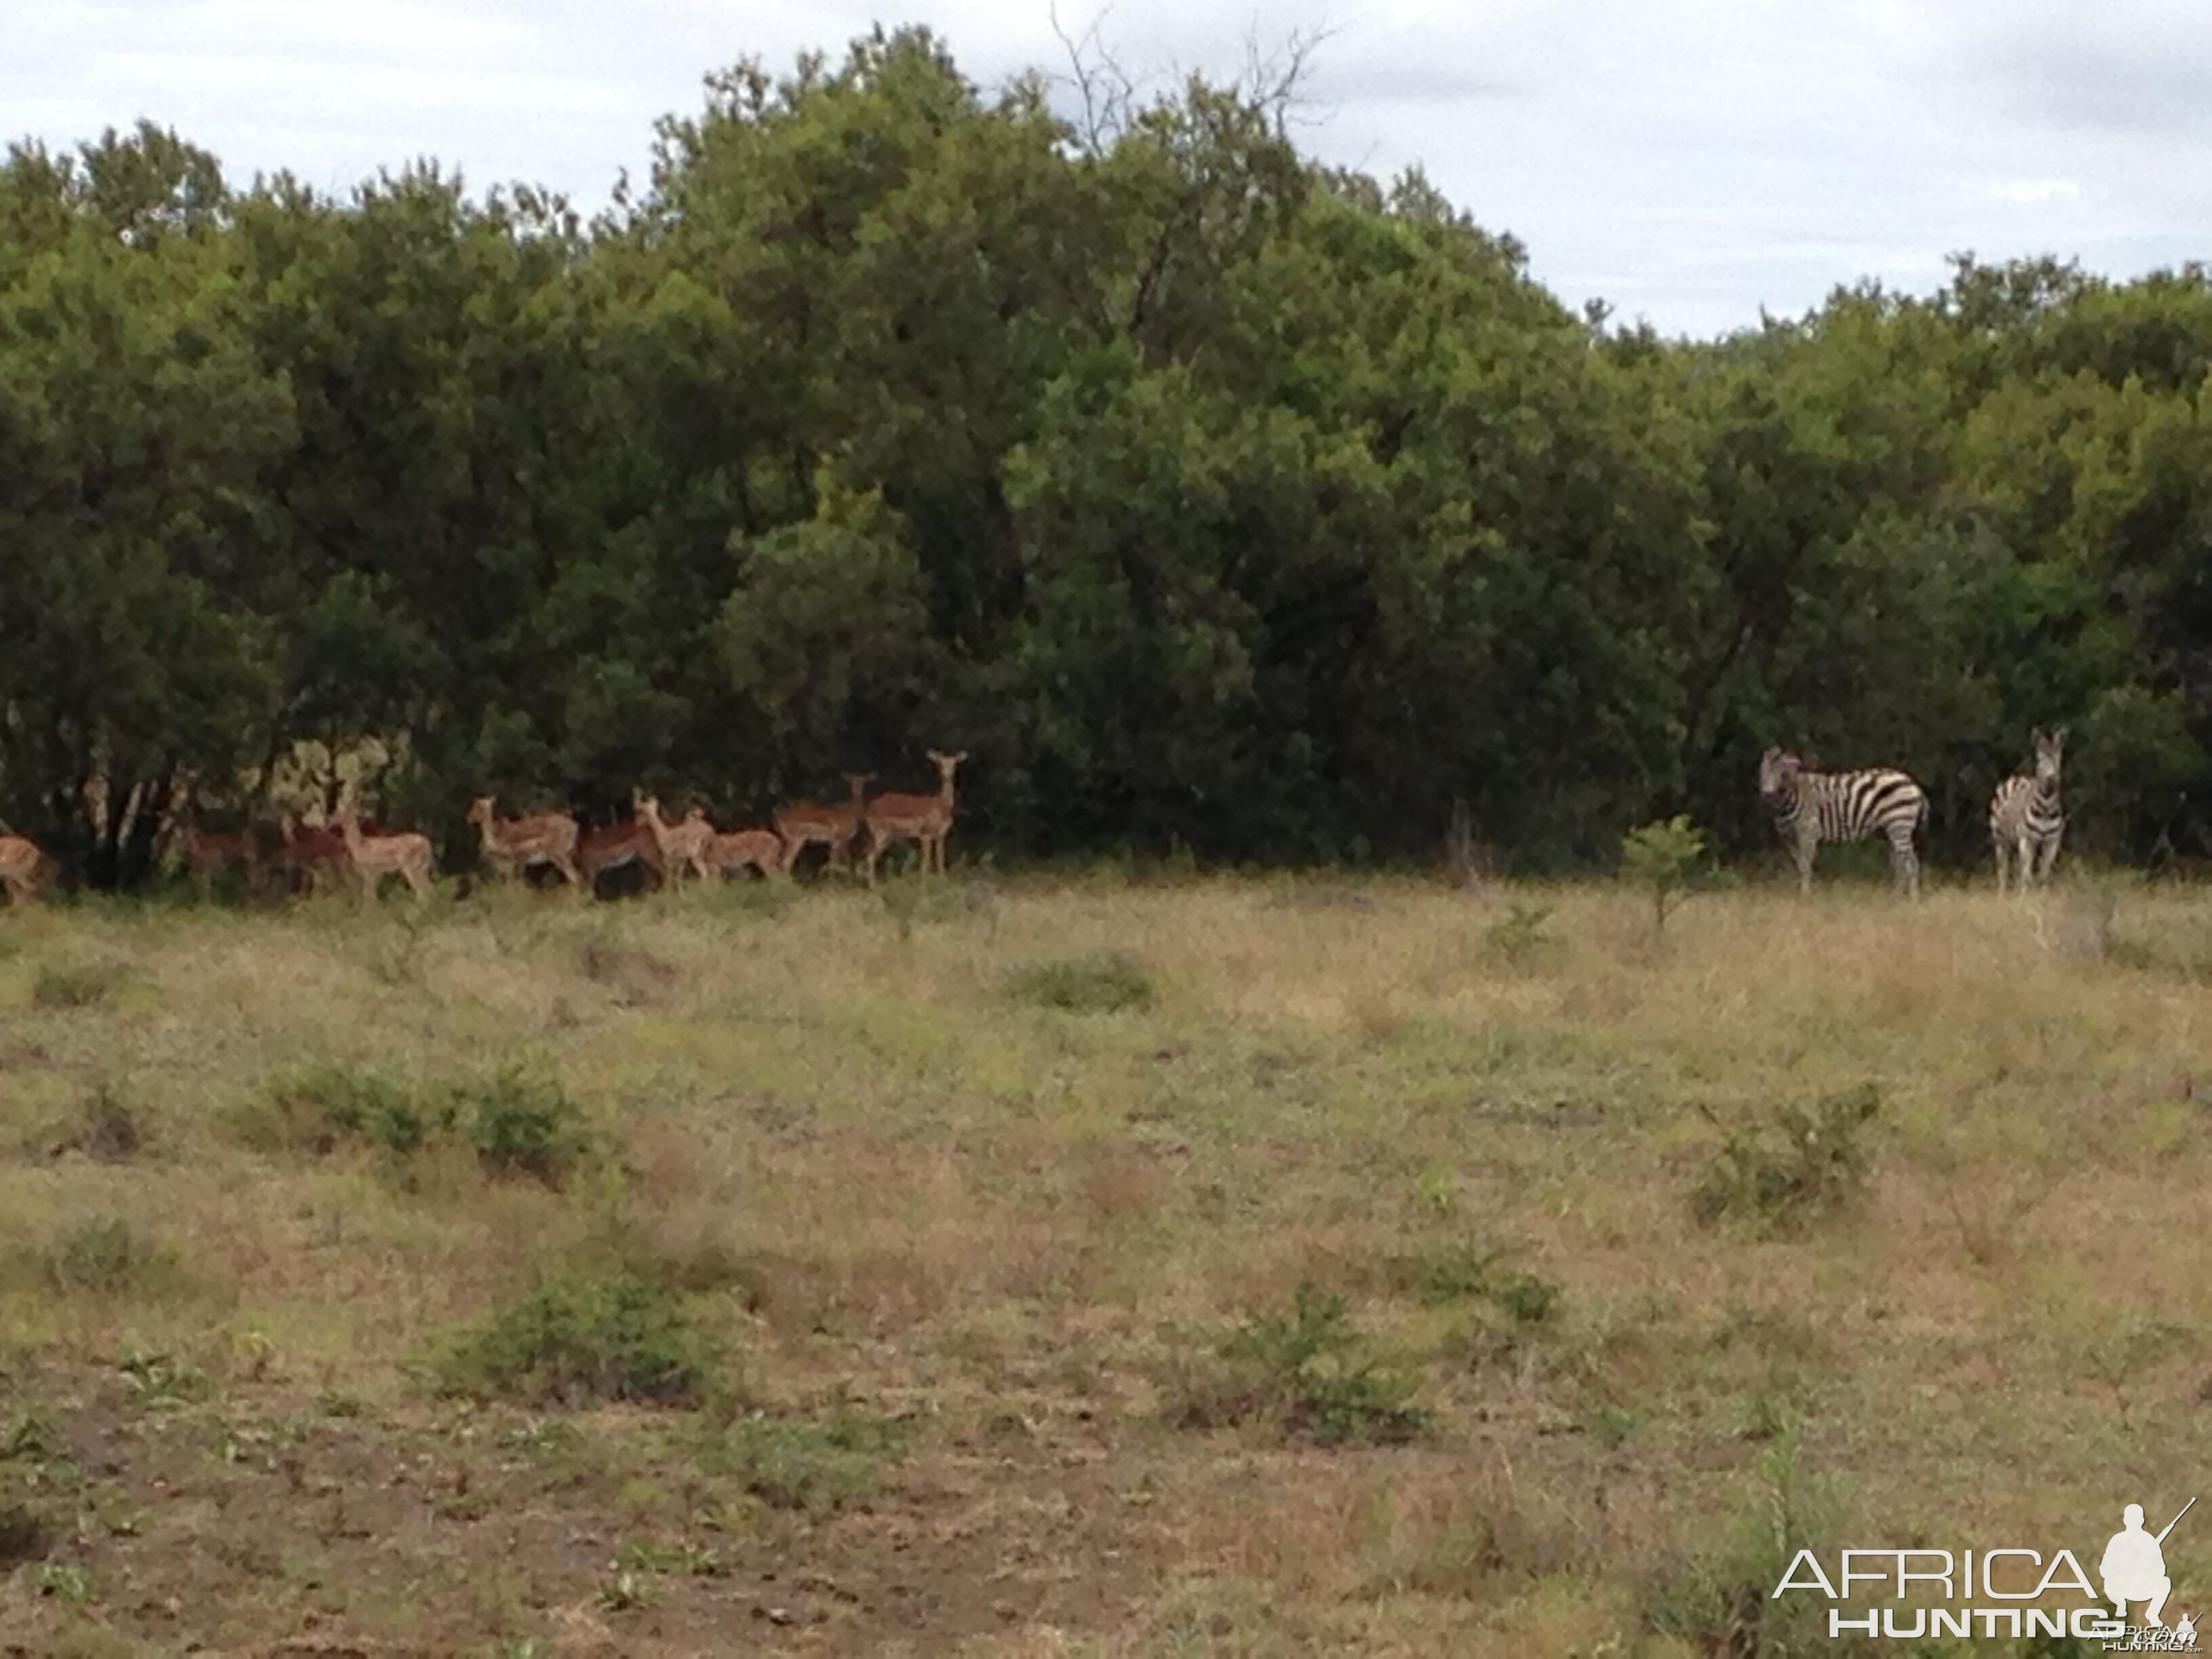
(892, 1186)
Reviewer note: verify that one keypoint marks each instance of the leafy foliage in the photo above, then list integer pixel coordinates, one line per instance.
(577, 1341)
(1104, 983)
(1308, 1371)
(1811, 1158)
(1215, 500)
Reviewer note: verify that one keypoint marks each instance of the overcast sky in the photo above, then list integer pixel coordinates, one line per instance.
(1688, 161)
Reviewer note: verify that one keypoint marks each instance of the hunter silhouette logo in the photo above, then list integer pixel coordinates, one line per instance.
(2134, 1567)
(2008, 1591)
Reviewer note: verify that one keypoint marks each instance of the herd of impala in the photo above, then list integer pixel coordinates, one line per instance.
(861, 825)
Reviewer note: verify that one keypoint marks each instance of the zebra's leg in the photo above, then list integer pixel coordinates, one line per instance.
(1904, 863)
(1806, 845)
(2002, 852)
(2024, 856)
(2050, 852)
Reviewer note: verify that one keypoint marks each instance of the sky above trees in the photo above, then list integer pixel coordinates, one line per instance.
(1689, 162)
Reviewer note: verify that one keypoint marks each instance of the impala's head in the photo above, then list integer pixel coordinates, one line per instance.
(858, 782)
(947, 764)
(2049, 751)
(1777, 773)
(480, 811)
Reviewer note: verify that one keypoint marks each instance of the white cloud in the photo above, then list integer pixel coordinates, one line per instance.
(1692, 160)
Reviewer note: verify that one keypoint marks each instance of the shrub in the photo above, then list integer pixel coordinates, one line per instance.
(109, 1131)
(577, 1341)
(1104, 983)
(329, 1103)
(1664, 859)
(1518, 938)
(1812, 1159)
(74, 985)
(1309, 1372)
(1460, 1272)
(518, 1123)
(1719, 1597)
(793, 1464)
(107, 1255)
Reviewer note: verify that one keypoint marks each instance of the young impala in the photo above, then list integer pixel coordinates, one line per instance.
(764, 850)
(405, 854)
(683, 846)
(541, 838)
(801, 826)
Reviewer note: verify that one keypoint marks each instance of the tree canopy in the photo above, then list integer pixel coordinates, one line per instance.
(1204, 494)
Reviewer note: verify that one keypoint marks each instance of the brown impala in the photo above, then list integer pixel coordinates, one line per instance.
(764, 850)
(801, 826)
(405, 854)
(23, 868)
(926, 820)
(615, 844)
(683, 846)
(541, 838)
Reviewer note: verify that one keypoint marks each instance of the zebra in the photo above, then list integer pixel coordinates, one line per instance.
(1811, 807)
(2025, 816)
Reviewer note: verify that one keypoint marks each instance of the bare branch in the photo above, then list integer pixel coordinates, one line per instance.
(1107, 90)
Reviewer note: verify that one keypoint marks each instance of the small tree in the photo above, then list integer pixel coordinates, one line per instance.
(1663, 858)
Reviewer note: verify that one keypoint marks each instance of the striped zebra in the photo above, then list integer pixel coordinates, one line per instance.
(2025, 816)
(1811, 807)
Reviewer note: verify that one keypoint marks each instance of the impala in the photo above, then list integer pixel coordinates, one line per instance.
(764, 850)
(405, 854)
(207, 854)
(926, 820)
(611, 845)
(798, 827)
(23, 868)
(541, 838)
(683, 846)
(310, 850)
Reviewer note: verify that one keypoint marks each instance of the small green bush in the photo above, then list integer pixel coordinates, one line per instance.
(793, 1464)
(1103, 982)
(74, 985)
(108, 1129)
(1811, 1159)
(1518, 938)
(107, 1255)
(1309, 1372)
(326, 1104)
(523, 1124)
(578, 1341)
(1460, 1272)
(1667, 860)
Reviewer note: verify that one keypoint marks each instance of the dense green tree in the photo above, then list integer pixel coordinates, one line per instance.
(1204, 496)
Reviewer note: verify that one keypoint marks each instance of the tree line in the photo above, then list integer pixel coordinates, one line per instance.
(1209, 496)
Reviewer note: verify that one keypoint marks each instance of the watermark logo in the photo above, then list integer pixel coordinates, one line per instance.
(1986, 1593)
(2134, 1570)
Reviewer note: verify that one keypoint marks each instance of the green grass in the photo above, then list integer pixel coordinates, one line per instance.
(1248, 1267)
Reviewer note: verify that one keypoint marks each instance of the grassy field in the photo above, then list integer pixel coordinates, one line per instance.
(1085, 1268)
